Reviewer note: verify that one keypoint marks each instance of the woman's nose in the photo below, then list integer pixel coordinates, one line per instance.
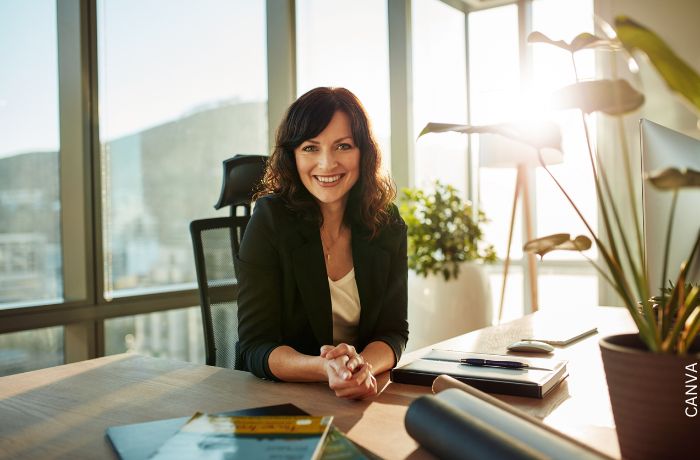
(327, 159)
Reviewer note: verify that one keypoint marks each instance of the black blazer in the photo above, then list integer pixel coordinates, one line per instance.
(284, 298)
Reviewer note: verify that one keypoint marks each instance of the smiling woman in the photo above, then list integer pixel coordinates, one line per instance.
(322, 279)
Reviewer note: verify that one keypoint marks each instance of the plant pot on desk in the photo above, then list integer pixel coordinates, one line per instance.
(439, 309)
(653, 397)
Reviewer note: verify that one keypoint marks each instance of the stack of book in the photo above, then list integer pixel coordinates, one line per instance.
(532, 377)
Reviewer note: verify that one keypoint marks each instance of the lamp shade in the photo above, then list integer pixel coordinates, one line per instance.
(497, 151)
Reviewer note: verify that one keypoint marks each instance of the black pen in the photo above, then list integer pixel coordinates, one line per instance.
(490, 363)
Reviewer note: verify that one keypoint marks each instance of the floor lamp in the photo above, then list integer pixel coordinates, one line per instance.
(496, 151)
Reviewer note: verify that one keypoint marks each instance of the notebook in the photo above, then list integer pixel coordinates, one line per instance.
(534, 383)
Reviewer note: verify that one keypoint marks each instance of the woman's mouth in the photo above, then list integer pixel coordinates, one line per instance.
(328, 181)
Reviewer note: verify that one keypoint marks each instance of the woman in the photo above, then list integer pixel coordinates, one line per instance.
(323, 261)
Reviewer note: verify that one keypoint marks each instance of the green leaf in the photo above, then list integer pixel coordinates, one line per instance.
(674, 178)
(539, 37)
(614, 97)
(586, 40)
(678, 75)
(557, 242)
(443, 231)
(581, 41)
(538, 135)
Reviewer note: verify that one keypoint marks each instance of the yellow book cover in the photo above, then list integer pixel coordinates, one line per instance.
(207, 436)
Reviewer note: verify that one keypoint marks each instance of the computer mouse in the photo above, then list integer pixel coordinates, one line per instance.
(531, 346)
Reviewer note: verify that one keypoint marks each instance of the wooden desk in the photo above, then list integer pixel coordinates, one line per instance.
(63, 411)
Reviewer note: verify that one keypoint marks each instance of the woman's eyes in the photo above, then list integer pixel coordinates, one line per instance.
(315, 148)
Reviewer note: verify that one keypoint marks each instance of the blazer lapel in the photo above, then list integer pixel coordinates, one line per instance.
(312, 280)
(371, 272)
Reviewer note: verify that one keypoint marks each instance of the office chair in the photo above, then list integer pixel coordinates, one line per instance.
(216, 242)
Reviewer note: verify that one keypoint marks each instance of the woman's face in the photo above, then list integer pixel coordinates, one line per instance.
(329, 164)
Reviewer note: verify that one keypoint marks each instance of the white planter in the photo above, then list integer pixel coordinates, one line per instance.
(439, 309)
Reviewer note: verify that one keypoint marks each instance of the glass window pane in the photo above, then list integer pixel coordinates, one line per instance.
(341, 43)
(494, 61)
(439, 92)
(30, 350)
(173, 334)
(181, 89)
(494, 79)
(555, 290)
(513, 300)
(30, 251)
(552, 68)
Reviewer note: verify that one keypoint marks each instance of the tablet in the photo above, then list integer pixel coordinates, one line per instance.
(561, 332)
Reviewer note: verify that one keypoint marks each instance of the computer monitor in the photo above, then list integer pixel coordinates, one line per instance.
(663, 148)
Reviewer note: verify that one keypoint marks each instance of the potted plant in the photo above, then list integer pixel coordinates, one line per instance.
(649, 373)
(449, 291)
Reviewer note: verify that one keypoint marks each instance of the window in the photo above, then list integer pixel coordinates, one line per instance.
(494, 85)
(341, 43)
(30, 250)
(439, 92)
(565, 271)
(29, 350)
(179, 89)
(175, 334)
(499, 92)
(182, 88)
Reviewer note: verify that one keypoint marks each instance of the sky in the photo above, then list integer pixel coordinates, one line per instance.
(154, 66)
(161, 59)
(28, 83)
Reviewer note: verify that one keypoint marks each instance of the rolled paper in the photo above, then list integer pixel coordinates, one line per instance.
(465, 412)
(445, 382)
(450, 433)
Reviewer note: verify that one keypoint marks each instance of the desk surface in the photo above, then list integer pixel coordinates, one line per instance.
(63, 411)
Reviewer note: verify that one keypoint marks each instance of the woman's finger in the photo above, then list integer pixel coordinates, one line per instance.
(366, 389)
(355, 363)
(362, 374)
(339, 366)
(341, 349)
(361, 384)
(325, 349)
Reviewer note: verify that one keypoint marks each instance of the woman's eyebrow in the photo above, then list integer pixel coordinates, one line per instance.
(312, 141)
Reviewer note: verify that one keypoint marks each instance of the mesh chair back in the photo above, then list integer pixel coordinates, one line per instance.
(216, 243)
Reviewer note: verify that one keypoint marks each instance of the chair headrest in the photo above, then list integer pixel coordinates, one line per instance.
(242, 173)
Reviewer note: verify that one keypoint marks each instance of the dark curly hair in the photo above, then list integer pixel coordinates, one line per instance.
(370, 197)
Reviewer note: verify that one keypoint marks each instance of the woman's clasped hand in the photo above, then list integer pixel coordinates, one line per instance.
(349, 375)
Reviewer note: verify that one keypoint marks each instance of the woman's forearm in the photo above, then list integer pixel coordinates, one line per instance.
(380, 355)
(289, 365)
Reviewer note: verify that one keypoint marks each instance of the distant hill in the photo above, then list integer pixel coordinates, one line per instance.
(156, 180)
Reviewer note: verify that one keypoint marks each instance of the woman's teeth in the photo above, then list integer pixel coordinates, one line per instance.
(328, 179)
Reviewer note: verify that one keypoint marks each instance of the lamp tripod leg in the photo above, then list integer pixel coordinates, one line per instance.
(506, 263)
(531, 261)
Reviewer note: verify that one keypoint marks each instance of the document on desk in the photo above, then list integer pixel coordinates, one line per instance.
(264, 437)
(139, 441)
(534, 381)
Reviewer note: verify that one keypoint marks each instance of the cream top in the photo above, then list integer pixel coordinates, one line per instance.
(345, 303)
